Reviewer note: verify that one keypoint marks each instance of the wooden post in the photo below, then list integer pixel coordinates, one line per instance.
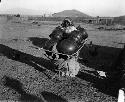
(121, 96)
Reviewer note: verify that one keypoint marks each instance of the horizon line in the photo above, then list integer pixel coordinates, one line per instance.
(46, 12)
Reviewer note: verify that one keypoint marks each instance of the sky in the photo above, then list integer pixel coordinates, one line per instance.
(90, 7)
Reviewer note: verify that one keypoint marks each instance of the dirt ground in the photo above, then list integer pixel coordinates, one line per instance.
(24, 69)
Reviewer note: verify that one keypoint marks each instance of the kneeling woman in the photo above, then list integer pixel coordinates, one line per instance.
(67, 40)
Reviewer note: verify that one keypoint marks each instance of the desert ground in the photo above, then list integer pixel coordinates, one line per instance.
(25, 72)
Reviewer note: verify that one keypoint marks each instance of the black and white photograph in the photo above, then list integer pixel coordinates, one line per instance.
(62, 50)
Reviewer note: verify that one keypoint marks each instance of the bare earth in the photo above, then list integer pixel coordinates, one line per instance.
(27, 71)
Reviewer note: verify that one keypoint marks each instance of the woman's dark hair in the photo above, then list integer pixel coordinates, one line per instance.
(67, 22)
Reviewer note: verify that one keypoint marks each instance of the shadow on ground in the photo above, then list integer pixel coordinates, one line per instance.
(39, 64)
(39, 42)
(107, 59)
(50, 97)
(99, 57)
(106, 86)
(18, 87)
(26, 97)
(104, 57)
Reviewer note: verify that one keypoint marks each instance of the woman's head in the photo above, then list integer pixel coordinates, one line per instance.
(67, 22)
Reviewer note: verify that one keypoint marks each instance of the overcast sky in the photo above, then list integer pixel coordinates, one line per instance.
(90, 7)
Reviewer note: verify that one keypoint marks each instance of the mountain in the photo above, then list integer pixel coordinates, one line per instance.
(70, 13)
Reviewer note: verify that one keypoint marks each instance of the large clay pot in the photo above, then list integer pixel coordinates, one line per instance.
(56, 34)
(67, 46)
(78, 36)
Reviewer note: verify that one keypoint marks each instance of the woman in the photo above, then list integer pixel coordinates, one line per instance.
(67, 25)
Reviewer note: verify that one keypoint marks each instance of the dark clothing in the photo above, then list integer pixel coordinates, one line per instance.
(49, 44)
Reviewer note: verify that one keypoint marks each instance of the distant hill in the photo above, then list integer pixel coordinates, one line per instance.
(70, 13)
